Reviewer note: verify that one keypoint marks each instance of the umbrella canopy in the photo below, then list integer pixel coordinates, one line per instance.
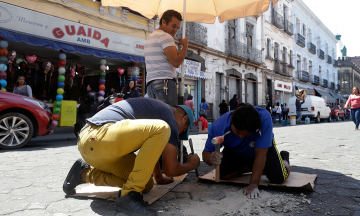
(204, 11)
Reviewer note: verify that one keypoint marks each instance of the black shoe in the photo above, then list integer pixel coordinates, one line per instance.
(73, 178)
(285, 155)
(133, 204)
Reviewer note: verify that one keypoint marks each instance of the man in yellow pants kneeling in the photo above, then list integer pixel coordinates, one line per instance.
(108, 141)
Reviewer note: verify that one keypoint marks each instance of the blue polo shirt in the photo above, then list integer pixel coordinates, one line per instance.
(244, 147)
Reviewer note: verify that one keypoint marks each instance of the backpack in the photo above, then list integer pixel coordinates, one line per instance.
(202, 111)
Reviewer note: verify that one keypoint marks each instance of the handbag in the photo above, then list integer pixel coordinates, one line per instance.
(202, 111)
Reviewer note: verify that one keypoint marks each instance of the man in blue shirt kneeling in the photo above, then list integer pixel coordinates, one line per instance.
(249, 147)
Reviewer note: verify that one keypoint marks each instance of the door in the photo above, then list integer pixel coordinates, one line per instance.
(250, 92)
(217, 94)
(232, 87)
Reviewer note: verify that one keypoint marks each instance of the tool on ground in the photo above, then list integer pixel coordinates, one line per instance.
(217, 141)
(192, 151)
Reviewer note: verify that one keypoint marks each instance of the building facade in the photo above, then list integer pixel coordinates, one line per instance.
(349, 75)
(278, 42)
(315, 53)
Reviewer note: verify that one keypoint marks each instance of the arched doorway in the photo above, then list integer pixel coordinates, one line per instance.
(251, 89)
(233, 83)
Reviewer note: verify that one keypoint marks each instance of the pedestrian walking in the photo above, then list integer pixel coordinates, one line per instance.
(234, 102)
(298, 110)
(278, 112)
(268, 108)
(204, 108)
(162, 58)
(190, 103)
(223, 107)
(354, 101)
(21, 88)
(285, 111)
(130, 91)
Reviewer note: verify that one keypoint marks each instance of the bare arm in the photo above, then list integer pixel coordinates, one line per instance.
(175, 58)
(172, 167)
(206, 157)
(208, 106)
(258, 167)
(192, 105)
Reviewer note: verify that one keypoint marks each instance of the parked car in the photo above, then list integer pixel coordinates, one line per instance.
(337, 113)
(22, 118)
(314, 107)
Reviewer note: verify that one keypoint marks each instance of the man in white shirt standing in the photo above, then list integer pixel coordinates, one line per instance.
(162, 58)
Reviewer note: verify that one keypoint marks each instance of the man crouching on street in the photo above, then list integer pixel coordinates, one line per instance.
(108, 142)
(248, 147)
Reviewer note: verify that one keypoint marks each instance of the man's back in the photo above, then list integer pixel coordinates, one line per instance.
(233, 103)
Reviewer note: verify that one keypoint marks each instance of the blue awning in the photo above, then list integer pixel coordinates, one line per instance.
(67, 47)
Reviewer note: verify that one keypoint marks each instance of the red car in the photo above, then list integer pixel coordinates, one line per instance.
(337, 113)
(22, 118)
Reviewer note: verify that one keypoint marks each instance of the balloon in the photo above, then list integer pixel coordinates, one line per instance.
(4, 44)
(61, 78)
(23, 65)
(135, 71)
(54, 123)
(134, 78)
(101, 93)
(59, 97)
(100, 98)
(46, 67)
(30, 59)
(12, 56)
(56, 110)
(3, 67)
(102, 67)
(3, 89)
(3, 52)
(58, 104)
(102, 81)
(78, 67)
(120, 71)
(3, 83)
(102, 61)
(62, 63)
(3, 75)
(62, 56)
(101, 87)
(3, 59)
(55, 116)
(61, 84)
(61, 70)
(72, 72)
(102, 74)
(60, 91)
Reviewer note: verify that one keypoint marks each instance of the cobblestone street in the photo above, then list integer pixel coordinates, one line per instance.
(31, 179)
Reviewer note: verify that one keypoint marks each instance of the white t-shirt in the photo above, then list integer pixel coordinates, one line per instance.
(157, 64)
(278, 109)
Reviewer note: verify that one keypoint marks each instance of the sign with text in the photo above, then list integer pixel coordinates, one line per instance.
(193, 69)
(45, 26)
(283, 86)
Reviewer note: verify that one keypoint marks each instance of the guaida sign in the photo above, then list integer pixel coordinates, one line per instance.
(17, 19)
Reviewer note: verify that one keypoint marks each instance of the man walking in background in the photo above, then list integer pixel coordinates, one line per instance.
(162, 58)
(234, 102)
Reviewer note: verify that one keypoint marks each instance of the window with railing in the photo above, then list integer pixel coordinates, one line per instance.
(268, 49)
(284, 54)
(300, 40)
(195, 32)
(291, 57)
(276, 51)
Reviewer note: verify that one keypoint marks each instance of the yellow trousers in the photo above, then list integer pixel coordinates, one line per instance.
(109, 150)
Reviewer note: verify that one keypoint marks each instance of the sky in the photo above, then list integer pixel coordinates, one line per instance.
(341, 17)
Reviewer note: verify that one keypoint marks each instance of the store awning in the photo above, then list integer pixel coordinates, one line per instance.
(67, 47)
(193, 69)
(326, 96)
(334, 95)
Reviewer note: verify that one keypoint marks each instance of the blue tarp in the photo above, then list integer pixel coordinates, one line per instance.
(56, 45)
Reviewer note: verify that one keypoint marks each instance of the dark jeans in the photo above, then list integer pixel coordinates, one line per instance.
(355, 116)
(277, 115)
(155, 89)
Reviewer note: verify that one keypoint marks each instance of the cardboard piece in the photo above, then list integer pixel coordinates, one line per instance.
(295, 180)
(110, 193)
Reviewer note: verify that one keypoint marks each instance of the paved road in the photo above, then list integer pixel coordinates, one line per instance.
(31, 179)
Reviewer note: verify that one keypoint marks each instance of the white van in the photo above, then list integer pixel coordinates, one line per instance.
(314, 107)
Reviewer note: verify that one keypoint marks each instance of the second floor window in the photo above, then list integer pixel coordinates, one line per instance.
(249, 36)
(268, 47)
(276, 51)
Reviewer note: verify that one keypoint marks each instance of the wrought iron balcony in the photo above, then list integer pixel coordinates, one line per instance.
(321, 54)
(332, 85)
(277, 66)
(196, 33)
(325, 83)
(303, 76)
(268, 57)
(284, 59)
(335, 63)
(315, 80)
(278, 20)
(312, 48)
(300, 40)
(289, 28)
(241, 50)
(329, 59)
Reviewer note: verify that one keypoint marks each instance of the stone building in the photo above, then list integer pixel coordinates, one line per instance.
(349, 74)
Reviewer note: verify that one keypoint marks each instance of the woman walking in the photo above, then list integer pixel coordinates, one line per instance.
(278, 112)
(223, 108)
(190, 103)
(354, 101)
(204, 108)
(21, 88)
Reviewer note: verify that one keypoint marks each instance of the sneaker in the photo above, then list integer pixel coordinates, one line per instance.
(133, 204)
(285, 155)
(73, 178)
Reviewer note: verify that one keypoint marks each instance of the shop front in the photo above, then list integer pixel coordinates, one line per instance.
(40, 44)
(283, 91)
(193, 76)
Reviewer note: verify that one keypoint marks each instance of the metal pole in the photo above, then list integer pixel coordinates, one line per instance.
(181, 95)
